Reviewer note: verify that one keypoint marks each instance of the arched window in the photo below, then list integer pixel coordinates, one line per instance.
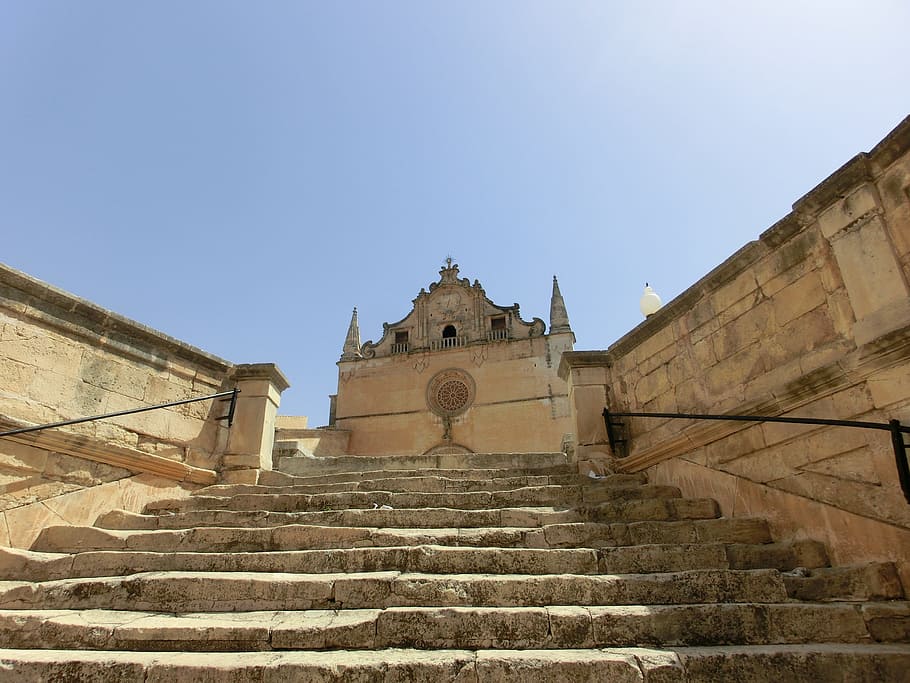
(448, 332)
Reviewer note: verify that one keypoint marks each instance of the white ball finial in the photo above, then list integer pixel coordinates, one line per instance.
(650, 303)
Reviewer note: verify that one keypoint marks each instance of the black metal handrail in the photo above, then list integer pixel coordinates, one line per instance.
(896, 429)
(229, 417)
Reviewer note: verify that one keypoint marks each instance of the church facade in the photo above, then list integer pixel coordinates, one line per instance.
(458, 374)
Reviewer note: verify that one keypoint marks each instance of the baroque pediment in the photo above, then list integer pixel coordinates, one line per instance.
(452, 313)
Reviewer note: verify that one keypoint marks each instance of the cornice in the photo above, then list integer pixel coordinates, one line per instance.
(30, 297)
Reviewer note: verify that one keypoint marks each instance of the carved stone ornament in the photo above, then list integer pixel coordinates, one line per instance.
(450, 392)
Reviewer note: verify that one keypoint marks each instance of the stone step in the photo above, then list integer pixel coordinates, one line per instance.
(252, 591)
(16, 564)
(857, 663)
(870, 581)
(310, 537)
(649, 509)
(276, 478)
(425, 558)
(306, 466)
(450, 627)
(424, 484)
(477, 500)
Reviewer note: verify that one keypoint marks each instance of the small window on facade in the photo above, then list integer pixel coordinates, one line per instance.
(497, 324)
(448, 332)
(401, 336)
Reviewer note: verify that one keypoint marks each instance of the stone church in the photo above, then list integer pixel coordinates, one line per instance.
(458, 374)
(468, 516)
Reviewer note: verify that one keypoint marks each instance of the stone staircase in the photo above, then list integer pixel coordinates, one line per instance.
(442, 568)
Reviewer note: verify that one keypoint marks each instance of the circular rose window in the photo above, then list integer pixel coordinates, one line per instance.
(450, 392)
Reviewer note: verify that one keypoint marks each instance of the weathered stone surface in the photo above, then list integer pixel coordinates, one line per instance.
(814, 662)
(549, 666)
(873, 581)
(888, 622)
(578, 598)
(783, 556)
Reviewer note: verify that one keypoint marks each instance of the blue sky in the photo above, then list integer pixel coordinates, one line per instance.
(241, 175)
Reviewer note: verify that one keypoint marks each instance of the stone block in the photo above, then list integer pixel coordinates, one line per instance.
(653, 385)
(703, 353)
(798, 298)
(742, 286)
(872, 581)
(702, 314)
(588, 403)
(744, 331)
(728, 377)
(462, 627)
(657, 342)
(681, 364)
(16, 377)
(239, 476)
(240, 461)
(18, 457)
(736, 445)
(890, 386)
(845, 212)
(118, 378)
(888, 622)
(552, 666)
(884, 503)
(870, 268)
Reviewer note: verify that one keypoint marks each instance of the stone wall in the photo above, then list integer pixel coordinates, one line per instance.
(63, 358)
(812, 319)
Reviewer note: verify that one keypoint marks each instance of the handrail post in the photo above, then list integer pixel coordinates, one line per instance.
(900, 457)
(611, 426)
(249, 445)
(229, 418)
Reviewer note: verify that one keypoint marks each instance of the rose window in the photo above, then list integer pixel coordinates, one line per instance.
(450, 392)
(452, 395)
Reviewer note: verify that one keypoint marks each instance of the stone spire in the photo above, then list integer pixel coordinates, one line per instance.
(559, 319)
(351, 350)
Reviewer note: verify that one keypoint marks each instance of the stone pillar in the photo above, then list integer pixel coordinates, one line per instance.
(333, 408)
(869, 264)
(587, 374)
(252, 436)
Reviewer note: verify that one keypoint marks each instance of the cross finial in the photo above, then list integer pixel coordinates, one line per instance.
(448, 261)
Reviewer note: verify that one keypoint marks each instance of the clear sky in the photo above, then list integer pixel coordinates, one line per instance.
(240, 175)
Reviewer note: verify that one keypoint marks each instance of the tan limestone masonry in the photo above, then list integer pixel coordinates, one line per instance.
(477, 567)
(812, 319)
(63, 358)
(489, 386)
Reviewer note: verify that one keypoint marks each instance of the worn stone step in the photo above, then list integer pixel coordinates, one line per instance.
(785, 555)
(477, 500)
(249, 591)
(311, 537)
(857, 663)
(870, 581)
(425, 484)
(462, 461)
(421, 558)
(653, 509)
(443, 627)
(595, 535)
(276, 478)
